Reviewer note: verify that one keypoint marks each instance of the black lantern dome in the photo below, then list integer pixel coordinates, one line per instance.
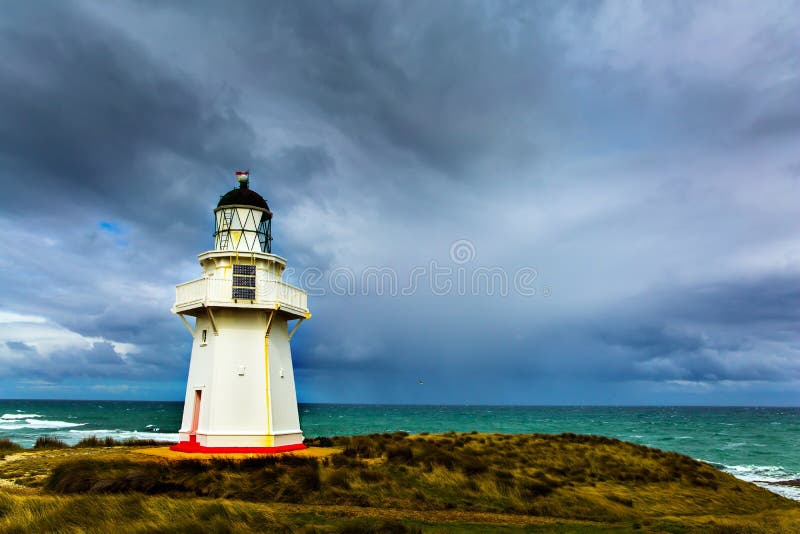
(244, 196)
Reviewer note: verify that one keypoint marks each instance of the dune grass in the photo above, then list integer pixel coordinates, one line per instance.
(136, 513)
(49, 442)
(8, 447)
(94, 442)
(515, 479)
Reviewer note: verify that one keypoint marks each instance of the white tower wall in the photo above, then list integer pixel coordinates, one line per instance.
(246, 383)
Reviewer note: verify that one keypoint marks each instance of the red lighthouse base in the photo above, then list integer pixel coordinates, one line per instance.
(194, 447)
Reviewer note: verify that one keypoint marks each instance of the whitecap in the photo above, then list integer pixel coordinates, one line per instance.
(41, 423)
(790, 492)
(763, 476)
(765, 473)
(19, 415)
(734, 445)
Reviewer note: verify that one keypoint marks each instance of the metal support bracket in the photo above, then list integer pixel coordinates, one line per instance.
(269, 322)
(186, 323)
(297, 325)
(211, 318)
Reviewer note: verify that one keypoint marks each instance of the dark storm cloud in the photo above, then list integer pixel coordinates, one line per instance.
(735, 331)
(100, 360)
(641, 157)
(425, 79)
(95, 126)
(767, 308)
(655, 340)
(90, 116)
(441, 83)
(772, 300)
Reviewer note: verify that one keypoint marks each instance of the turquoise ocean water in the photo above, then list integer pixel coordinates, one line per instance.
(757, 444)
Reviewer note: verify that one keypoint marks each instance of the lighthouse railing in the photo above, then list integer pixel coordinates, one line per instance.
(277, 291)
(219, 289)
(213, 291)
(190, 292)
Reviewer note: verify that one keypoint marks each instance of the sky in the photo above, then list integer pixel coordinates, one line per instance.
(511, 202)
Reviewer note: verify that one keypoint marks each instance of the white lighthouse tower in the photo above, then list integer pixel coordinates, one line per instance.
(240, 395)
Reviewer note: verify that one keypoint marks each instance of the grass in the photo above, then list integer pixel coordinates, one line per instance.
(8, 447)
(162, 514)
(48, 442)
(94, 442)
(567, 482)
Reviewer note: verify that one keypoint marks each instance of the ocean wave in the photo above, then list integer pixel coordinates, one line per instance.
(13, 416)
(762, 475)
(41, 423)
(735, 445)
(35, 424)
(790, 492)
(767, 473)
(126, 434)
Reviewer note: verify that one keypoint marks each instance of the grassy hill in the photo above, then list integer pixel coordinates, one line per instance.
(390, 483)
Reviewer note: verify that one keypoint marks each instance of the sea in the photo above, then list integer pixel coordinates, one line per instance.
(760, 445)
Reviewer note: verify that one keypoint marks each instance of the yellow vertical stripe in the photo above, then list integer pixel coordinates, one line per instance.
(266, 373)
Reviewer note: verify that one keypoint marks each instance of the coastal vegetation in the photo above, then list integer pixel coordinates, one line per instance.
(388, 482)
(7, 447)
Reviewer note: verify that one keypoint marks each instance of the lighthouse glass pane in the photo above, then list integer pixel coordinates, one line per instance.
(242, 229)
(263, 236)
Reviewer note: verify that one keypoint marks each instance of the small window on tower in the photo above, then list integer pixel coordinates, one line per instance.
(203, 336)
(244, 282)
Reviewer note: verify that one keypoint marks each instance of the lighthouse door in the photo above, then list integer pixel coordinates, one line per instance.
(198, 394)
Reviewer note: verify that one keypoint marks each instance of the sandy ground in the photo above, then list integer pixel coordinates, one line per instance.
(164, 452)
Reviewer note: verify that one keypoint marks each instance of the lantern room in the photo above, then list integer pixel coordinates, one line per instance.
(243, 221)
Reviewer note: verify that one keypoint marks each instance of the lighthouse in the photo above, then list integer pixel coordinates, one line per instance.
(240, 394)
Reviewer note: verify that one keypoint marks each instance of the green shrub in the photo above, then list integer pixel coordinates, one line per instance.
(373, 526)
(108, 476)
(94, 441)
(363, 447)
(537, 487)
(341, 460)
(473, 465)
(370, 475)
(321, 441)
(6, 445)
(400, 454)
(503, 479)
(49, 442)
(625, 501)
(339, 478)
(307, 477)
